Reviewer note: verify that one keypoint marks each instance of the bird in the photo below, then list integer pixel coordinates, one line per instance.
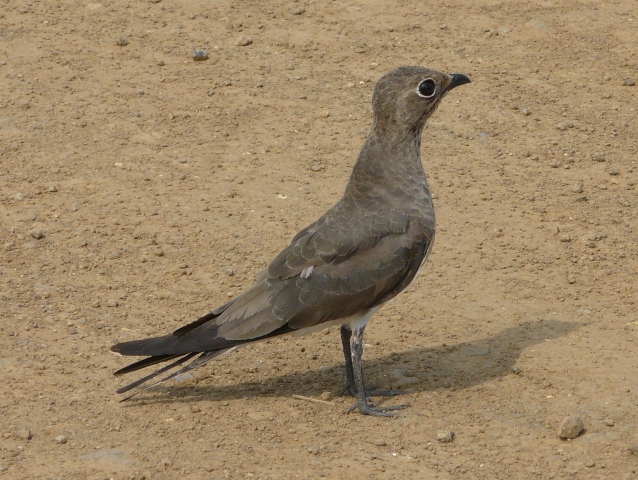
(339, 270)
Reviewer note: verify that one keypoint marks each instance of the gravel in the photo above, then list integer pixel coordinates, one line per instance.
(570, 427)
(243, 41)
(445, 436)
(199, 55)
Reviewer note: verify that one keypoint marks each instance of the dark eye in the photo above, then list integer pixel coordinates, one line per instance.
(427, 88)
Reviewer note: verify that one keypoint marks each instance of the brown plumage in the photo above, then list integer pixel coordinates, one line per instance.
(339, 270)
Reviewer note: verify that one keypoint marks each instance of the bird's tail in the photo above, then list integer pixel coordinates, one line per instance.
(202, 359)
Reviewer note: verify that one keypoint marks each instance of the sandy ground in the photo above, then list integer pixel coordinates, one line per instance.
(140, 189)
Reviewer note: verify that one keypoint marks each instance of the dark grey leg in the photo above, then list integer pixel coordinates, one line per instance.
(357, 367)
(346, 335)
(350, 388)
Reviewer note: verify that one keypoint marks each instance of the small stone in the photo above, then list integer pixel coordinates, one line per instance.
(121, 41)
(628, 82)
(37, 233)
(633, 449)
(582, 198)
(570, 427)
(111, 302)
(590, 464)
(445, 436)
(554, 165)
(199, 55)
(243, 41)
(23, 434)
(598, 157)
(578, 188)
(195, 409)
(526, 111)
(443, 26)
(61, 439)
(182, 160)
(146, 475)
(166, 462)
(325, 396)
(298, 10)
(614, 173)
(608, 422)
(565, 238)
(52, 188)
(159, 252)
(2, 468)
(380, 442)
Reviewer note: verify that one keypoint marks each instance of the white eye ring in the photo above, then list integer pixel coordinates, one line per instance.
(423, 92)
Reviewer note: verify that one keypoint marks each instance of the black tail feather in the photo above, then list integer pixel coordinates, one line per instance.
(147, 362)
(155, 374)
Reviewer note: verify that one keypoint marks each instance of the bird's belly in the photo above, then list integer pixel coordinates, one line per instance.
(356, 322)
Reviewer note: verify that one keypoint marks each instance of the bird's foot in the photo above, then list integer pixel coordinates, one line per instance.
(371, 392)
(366, 409)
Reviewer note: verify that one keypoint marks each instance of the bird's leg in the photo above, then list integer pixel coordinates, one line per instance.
(357, 369)
(350, 388)
(346, 335)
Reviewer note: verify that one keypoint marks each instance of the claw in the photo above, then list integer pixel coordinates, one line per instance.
(367, 409)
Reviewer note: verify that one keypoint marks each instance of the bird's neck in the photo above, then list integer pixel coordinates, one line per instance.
(390, 161)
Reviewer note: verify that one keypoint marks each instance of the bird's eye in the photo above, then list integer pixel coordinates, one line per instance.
(427, 88)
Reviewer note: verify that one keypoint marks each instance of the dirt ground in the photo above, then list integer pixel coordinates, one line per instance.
(140, 189)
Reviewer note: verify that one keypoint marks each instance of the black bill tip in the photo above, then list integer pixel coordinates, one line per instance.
(458, 79)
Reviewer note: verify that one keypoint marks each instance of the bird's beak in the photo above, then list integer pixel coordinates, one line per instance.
(457, 79)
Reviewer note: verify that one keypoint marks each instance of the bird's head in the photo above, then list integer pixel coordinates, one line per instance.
(407, 96)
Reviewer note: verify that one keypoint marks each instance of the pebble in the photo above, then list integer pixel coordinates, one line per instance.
(590, 464)
(182, 160)
(570, 427)
(445, 436)
(24, 434)
(199, 55)
(298, 10)
(52, 188)
(598, 157)
(121, 41)
(582, 198)
(554, 165)
(2, 468)
(526, 111)
(325, 396)
(243, 40)
(61, 439)
(37, 233)
(111, 302)
(565, 238)
(166, 462)
(578, 188)
(380, 442)
(609, 422)
(628, 82)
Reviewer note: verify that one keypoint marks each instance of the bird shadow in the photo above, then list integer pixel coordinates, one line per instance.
(459, 366)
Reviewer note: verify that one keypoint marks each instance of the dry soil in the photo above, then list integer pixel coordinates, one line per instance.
(139, 189)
